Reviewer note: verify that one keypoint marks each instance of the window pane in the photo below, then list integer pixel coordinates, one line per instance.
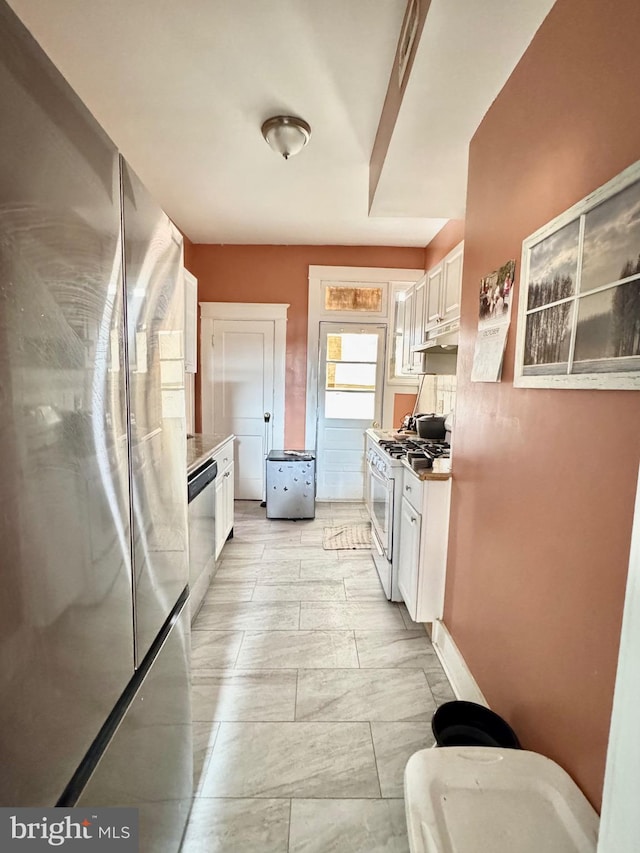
(608, 331)
(350, 406)
(547, 339)
(353, 299)
(553, 266)
(357, 376)
(350, 347)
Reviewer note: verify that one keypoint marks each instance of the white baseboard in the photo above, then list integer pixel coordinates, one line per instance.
(462, 681)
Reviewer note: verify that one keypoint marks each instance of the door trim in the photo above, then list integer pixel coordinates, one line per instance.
(319, 275)
(246, 311)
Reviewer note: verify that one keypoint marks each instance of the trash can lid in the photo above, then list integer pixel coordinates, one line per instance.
(466, 799)
(461, 723)
(291, 456)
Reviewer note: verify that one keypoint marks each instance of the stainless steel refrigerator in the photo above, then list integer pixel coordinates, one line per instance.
(94, 646)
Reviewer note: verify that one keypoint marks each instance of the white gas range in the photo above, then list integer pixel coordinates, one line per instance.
(384, 453)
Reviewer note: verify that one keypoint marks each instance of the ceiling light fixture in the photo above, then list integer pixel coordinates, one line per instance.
(287, 135)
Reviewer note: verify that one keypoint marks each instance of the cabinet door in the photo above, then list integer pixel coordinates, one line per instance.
(227, 500)
(190, 322)
(409, 557)
(452, 285)
(407, 330)
(220, 509)
(417, 326)
(434, 295)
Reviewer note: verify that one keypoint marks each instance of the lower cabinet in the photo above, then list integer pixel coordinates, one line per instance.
(223, 496)
(424, 533)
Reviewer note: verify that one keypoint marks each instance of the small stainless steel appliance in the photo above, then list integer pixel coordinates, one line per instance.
(291, 484)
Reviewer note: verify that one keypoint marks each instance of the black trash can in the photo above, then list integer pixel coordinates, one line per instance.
(460, 723)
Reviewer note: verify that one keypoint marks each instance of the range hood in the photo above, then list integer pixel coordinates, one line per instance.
(441, 340)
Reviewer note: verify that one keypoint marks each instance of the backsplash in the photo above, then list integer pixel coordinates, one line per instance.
(437, 394)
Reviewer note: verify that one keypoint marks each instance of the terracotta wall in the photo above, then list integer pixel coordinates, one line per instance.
(445, 240)
(402, 405)
(545, 480)
(281, 274)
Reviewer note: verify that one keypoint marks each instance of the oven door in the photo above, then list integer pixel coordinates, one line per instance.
(380, 503)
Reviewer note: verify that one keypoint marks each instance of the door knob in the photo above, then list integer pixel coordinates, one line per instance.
(376, 425)
(267, 417)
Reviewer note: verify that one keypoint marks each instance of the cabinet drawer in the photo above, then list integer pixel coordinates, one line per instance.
(412, 490)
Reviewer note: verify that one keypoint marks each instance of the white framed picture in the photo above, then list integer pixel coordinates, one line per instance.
(579, 301)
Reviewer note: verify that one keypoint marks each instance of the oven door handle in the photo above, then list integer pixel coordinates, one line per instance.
(385, 481)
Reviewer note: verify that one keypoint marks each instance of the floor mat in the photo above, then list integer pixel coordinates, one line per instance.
(347, 536)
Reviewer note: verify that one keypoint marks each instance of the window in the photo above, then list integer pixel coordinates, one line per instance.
(353, 297)
(579, 314)
(351, 368)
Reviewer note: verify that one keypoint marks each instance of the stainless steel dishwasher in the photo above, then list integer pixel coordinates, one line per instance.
(201, 497)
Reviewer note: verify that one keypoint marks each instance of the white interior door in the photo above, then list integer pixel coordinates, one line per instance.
(350, 379)
(243, 391)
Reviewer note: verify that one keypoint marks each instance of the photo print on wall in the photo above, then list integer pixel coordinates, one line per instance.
(579, 305)
(494, 316)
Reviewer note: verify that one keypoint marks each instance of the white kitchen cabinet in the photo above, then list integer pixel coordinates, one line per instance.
(452, 284)
(413, 326)
(417, 322)
(190, 322)
(434, 296)
(223, 495)
(424, 533)
(406, 329)
(444, 286)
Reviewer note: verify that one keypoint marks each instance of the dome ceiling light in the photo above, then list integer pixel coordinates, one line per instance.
(287, 135)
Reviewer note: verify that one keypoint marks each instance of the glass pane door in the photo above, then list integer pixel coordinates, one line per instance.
(349, 401)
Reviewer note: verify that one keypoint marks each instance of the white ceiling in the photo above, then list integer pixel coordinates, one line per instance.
(183, 88)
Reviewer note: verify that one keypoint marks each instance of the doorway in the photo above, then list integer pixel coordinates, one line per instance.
(350, 382)
(243, 363)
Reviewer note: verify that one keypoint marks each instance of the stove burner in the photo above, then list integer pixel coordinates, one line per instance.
(427, 448)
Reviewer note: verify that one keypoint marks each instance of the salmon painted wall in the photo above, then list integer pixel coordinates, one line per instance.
(281, 274)
(445, 240)
(545, 479)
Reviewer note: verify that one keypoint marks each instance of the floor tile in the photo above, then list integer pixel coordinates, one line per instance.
(300, 590)
(242, 551)
(262, 536)
(311, 537)
(261, 695)
(363, 554)
(297, 650)
(357, 659)
(214, 649)
(395, 648)
(394, 744)
(363, 694)
(364, 589)
(250, 616)
(408, 621)
(323, 510)
(229, 591)
(356, 826)
(292, 760)
(293, 552)
(246, 570)
(440, 687)
(349, 615)
(204, 736)
(321, 569)
(238, 826)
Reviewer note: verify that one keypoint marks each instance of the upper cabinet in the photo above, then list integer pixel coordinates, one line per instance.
(445, 285)
(431, 312)
(190, 322)
(413, 326)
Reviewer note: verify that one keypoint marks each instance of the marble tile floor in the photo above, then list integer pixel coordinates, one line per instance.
(310, 692)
